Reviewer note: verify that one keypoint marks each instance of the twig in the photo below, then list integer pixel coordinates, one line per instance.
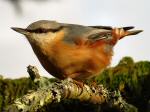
(67, 89)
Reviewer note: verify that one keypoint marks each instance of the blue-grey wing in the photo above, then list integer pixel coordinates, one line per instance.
(102, 27)
(89, 33)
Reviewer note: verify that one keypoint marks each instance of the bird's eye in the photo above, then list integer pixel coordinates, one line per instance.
(42, 30)
(39, 30)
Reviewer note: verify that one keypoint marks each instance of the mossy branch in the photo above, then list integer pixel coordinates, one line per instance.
(48, 93)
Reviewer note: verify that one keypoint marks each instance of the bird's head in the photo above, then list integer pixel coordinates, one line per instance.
(39, 31)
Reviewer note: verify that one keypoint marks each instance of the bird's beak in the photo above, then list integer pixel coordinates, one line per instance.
(20, 30)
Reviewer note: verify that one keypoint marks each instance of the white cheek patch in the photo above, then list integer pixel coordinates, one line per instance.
(44, 37)
(52, 36)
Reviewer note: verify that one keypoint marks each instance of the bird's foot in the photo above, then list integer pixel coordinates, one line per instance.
(79, 83)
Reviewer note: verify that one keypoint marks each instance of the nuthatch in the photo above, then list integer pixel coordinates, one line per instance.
(70, 50)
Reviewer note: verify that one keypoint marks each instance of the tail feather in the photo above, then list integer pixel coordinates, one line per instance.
(134, 32)
(126, 31)
(128, 27)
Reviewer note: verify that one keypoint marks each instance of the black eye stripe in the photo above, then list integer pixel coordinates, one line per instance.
(39, 30)
(42, 30)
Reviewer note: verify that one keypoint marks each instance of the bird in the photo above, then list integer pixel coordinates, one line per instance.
(73, 51)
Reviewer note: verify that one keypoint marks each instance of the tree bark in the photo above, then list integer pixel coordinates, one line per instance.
(48, 93)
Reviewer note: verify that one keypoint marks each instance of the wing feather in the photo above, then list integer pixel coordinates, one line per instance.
(102, 27)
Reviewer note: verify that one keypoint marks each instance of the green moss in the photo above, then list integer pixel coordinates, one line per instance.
(131, 78)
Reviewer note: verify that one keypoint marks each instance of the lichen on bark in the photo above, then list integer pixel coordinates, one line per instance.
(48, 93)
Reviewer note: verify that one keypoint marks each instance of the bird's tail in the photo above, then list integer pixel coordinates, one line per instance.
(125, 31)
(119, 33)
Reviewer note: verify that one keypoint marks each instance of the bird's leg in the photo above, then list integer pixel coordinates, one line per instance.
(92, 82)
(79, 83)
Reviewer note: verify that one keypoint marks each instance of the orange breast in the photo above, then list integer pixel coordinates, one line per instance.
(64, 60)
(78, 62)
